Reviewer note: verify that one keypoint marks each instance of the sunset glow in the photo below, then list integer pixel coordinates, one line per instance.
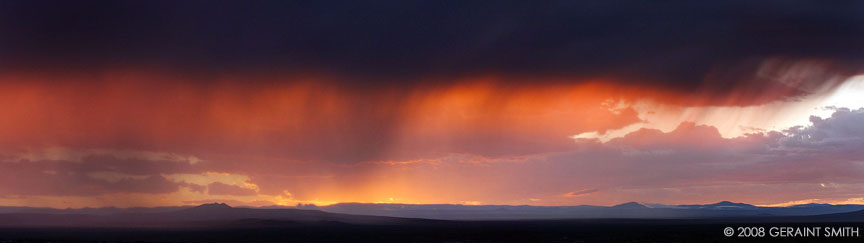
(307, 140)
(177, 109)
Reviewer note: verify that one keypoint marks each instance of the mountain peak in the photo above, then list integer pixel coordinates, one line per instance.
(730, 204)
(213, 206)
(630, 205)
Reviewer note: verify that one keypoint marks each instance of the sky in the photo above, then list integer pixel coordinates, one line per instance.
(166, 103)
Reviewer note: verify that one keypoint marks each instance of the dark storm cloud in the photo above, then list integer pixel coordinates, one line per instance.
(28, 179)
(670, 43)
(80, 172)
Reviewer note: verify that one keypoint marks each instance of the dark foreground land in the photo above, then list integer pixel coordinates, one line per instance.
(222, 223)
(596, 230)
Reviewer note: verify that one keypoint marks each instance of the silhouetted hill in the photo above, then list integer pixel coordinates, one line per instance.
(204, 215)
(211, 207)
(630, 205)
(719, 205)
(730, 204)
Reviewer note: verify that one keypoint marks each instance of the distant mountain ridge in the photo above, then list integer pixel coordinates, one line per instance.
(208, 215)
(719, 205)
(624, 210)
(348, 212)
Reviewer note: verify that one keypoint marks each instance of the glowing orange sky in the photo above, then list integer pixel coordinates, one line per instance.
(146, 103)
(138, 138)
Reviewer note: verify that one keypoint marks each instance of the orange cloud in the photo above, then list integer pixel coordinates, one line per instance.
(480, 138)
(582, 192)
(218, 188)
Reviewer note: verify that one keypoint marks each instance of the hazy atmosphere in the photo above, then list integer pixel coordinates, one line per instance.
(164, 103)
